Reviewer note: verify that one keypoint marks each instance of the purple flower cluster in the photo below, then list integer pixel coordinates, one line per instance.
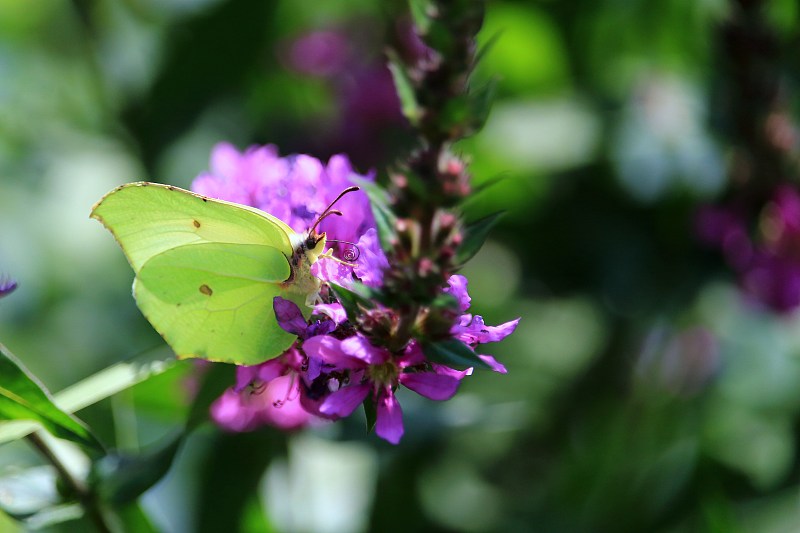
(333, 367)
(766, 258)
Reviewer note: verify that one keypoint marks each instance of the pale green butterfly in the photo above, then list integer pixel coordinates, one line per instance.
(207, 270)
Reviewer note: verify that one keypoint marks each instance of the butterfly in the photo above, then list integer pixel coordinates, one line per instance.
(207, 270)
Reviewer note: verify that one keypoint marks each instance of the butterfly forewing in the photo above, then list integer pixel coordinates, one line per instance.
(149, 218)
(214, 300)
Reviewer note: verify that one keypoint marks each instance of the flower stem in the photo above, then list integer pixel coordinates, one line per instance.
(73, 485)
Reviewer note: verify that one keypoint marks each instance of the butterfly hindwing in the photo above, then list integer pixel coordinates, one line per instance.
(214, 300)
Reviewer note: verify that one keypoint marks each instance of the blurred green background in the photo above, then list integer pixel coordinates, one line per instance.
(644, 392)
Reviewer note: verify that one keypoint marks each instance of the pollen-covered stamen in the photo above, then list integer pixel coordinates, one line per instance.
(292, 393)
(384, 373)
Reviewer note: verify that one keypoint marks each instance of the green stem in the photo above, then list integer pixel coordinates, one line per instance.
(74, 486)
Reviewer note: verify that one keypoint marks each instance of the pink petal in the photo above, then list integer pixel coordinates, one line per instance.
(263, 372)
(333, 311)
(361, 349)
(330, 351)
(329, 269)
(446, 370)
(412, 355)
(344, 401)
(282, 407)
(389, 424)
(458, 288)
(231, 414)
(431, 385)
(498, 333)
(472, 330)
(492, 362)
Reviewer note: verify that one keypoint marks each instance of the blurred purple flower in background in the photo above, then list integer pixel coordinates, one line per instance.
(368, 114)
(765, 258)
(7, 285)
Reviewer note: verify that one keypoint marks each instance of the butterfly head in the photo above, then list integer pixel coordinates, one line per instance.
(313, 242)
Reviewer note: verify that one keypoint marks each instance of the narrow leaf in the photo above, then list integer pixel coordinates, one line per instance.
(480, 101)
(474, 236)
(484, 50)
(22, 397)
(114, 379)
(371, 413)
(405, 91)
(452, 353)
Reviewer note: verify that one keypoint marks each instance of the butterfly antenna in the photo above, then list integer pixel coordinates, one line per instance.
(329, 211)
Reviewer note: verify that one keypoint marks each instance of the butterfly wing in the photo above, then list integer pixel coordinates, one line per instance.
(206, 270)
(214, 300)
(149, 218)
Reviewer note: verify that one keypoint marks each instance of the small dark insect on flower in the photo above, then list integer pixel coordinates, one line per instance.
(7, 285)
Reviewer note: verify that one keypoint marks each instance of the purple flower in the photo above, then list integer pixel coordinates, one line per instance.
(7, 286)
(268, 393)
(291, 319)
(366, 101)
(471, 329)
(276, 403)
(358, 370)
(766, 258)
(320, 53)
(296, 189)
(334, 366)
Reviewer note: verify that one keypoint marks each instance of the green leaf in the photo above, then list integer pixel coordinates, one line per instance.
(385, 219)
(120, 478)
(96, 387)
(474, 236)
(480, 103)
(135, 519)
(22, 397)
(453, 353)
(487, 47)
(351, 301)
(405, 91)
(371, 413)
(486, 184)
